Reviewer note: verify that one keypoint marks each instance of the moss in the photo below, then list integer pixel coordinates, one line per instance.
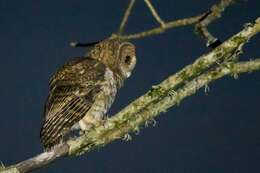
(219, 54)
(234, 75)
(214, 74)
(136, 130)
(239, 39)
(2, 166)
(156, 91)
(184, 75)
(8, 170)
(198, 68)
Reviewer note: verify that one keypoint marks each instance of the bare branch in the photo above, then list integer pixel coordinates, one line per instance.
(154, 13)
(168, 25)
(212, 15)
(201, 21)
(125, 17)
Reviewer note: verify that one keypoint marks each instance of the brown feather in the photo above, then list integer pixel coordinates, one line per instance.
(83, 90)
(73, 89)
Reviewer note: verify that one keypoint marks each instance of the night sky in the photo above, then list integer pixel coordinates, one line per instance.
(207, 133)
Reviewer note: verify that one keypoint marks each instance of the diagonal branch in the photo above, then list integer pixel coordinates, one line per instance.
(214, 13)
(154, 13)
(167, 26)
(161, 97)
(126, 16)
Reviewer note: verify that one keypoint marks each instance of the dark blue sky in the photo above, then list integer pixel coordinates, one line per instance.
(217, 132)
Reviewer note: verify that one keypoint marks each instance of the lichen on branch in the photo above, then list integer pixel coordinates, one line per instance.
(168, 93)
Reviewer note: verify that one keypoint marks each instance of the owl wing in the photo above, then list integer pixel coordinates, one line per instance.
(73, 91)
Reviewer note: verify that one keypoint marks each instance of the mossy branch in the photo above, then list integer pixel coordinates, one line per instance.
(207, 68)
(131, 119)
(171, 91)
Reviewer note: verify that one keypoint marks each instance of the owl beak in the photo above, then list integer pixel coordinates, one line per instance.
(128, 74)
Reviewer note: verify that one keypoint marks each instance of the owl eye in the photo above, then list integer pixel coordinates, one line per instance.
(128, 60)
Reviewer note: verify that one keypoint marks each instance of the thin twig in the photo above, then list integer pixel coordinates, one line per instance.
(125, 17)
(154, 13)
(214, 13)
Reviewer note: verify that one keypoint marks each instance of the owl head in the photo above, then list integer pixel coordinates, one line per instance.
(117, 54)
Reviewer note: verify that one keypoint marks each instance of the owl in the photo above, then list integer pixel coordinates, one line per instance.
(82, 91)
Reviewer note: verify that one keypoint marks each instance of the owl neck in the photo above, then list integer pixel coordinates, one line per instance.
(118, 78)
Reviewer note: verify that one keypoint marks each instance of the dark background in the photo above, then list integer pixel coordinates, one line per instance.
(214, 132)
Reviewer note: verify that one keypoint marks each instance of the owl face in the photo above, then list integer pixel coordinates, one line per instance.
(118, 55)
(127, 58)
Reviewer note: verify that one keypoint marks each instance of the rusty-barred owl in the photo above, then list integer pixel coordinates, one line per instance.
(82, 90)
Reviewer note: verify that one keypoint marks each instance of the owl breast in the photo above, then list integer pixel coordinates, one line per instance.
(103, 101)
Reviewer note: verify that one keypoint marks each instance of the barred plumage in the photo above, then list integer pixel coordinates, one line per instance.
(83, 90)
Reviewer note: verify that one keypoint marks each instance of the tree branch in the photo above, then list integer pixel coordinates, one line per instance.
(149, 105)
(154, 13)
(125, 17)
(167, 26)
(201, 21)
(214, 13)
(170, 92)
